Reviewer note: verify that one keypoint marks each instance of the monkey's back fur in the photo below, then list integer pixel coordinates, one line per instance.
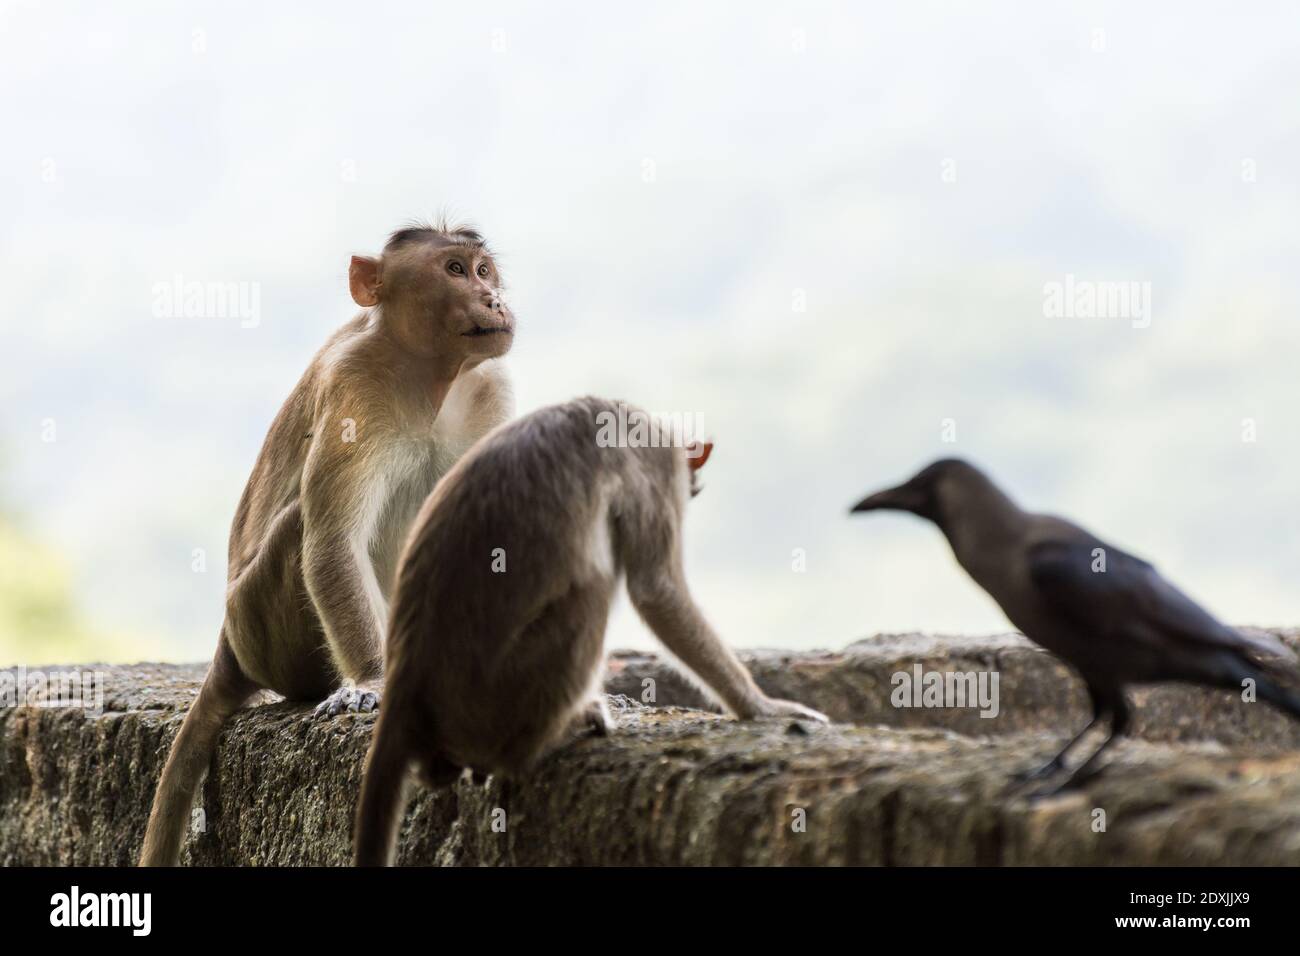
(505, 587)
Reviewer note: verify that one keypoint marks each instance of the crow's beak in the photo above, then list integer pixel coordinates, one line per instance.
(902, 498)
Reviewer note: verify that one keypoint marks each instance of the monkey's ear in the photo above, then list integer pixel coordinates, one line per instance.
(363, 279)
(697, 453)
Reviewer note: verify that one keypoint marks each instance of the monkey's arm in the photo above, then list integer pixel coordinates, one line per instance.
(342, 493)
(663, 601)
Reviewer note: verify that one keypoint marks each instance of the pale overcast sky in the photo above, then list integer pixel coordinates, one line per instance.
(825, 229)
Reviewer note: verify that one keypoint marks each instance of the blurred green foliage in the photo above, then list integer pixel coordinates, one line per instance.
(39, 620)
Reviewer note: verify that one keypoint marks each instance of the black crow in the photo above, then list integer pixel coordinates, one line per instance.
(1108, 614)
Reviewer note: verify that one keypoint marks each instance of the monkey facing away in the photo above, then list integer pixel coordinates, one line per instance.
(495, 645)
(384, 409)
(1108, 614)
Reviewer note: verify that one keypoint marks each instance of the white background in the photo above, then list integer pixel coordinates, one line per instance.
(794, 147)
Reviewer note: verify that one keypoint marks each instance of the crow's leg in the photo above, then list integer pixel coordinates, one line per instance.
(1058, 762)
(1101, 709)
(1119, 722)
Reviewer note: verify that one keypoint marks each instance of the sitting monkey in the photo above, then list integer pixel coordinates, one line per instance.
(392, 399)
(495, 643)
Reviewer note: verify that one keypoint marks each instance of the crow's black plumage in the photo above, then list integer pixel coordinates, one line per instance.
(1108, 614)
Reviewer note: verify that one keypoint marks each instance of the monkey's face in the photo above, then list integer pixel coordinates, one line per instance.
(453, 300)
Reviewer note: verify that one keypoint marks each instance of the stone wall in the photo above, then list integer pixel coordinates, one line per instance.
(1208, 779)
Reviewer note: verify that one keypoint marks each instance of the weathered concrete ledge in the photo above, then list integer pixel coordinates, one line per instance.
(1036, 691)
(680, 787)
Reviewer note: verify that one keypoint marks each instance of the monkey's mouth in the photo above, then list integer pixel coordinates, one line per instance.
(481, 330)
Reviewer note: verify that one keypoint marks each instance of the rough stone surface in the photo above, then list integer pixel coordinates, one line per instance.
(1215, 782)
(1036, 691)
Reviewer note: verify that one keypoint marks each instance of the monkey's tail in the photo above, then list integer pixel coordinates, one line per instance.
(224, 691)
(383, 793)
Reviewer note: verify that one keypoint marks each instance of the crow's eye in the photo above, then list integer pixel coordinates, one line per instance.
(455, 268)
(483, 269)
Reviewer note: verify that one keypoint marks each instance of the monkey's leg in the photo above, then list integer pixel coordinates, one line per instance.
(224, 691)
(594, 719)
(666, 606)
(383, 793)
(347, 596)
(1119, 722)
(437, 771)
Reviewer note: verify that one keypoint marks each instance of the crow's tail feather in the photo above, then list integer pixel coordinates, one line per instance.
(1283, 698)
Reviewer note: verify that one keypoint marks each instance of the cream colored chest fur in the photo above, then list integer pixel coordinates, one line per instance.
(476, 403)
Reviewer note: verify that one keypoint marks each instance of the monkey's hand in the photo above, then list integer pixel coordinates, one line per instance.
(348, 699)
(774, 707)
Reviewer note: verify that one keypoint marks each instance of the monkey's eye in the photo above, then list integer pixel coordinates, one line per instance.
(483, 270)
(455, 268)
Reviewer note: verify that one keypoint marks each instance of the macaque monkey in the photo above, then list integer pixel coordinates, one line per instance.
(385, 408)
(495, 644)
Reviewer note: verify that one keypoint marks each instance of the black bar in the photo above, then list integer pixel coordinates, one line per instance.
(344, 907)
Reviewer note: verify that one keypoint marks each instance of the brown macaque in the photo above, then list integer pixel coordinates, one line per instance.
(495, 643)
(385, 408)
